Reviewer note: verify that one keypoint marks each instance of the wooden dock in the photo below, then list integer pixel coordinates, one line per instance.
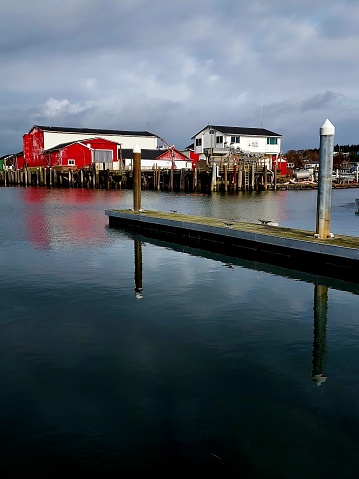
(299, 250)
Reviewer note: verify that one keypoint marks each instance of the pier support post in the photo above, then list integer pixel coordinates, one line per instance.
(158, 178)
(136, 178)
(214, 177)
(225, 174)
(252, 176)
(265, 179)
(324, 197)
(240, 178)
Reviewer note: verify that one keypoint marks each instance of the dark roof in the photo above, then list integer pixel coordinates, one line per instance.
(145, 154)
(63, 145)
(240, 130)
(92, 131)
(19, 153)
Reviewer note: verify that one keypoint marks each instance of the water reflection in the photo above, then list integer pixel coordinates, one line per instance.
(320, 331)
(60, 217)
(320, 309)
(138, 269)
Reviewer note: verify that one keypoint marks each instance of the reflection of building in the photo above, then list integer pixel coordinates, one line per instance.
(53, 221)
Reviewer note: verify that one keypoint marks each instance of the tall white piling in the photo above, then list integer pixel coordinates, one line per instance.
(136, 178)
(324, 197)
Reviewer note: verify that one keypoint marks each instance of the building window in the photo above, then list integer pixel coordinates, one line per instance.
(102, 156)
(272, 141)
(219, 139)
(198, 141)
(71, 162)
(235, 139)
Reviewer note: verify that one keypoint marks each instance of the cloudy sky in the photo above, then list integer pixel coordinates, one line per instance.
(173, 66)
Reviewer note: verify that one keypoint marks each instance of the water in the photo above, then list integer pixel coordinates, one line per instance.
(209, 373)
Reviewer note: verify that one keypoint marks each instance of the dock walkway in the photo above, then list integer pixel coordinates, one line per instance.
(336, 257)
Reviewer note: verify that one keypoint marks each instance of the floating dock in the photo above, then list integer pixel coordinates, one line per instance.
(300, 250)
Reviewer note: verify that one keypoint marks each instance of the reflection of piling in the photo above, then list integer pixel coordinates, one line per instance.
(320, 326)
(136, 178)
(138, 270)
(325, 179)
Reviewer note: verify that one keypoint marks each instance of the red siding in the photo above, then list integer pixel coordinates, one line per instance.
(33, 143)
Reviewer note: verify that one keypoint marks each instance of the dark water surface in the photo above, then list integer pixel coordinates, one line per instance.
(210, 372)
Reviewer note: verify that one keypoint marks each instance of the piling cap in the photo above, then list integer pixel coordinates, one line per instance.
(136, 149)
(327, 128)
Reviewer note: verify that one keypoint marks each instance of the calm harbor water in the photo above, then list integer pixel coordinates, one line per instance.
(211, 371)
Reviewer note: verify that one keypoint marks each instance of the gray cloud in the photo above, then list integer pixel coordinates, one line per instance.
(178, 65)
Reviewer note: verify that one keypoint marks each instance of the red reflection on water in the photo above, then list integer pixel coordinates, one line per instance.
(68, 216)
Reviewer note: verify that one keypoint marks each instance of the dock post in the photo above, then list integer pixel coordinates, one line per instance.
(214, 177)
(324, 197)
(225, 174)
(265, 178)
(320, 327)
(240, 178)
(136, 178)
(252, 176)
(158, 178)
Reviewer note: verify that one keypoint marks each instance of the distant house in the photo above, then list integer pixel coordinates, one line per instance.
(218, 140)
(160, 158)
(45, 138)
(14, 161)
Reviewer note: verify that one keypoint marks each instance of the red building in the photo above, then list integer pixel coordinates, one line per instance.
(281, 164)
(42, 140)
(81, 154)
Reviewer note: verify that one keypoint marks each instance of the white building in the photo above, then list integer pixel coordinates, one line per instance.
(217, 140)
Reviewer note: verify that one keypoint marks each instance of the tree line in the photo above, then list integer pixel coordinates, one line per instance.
(342, 154)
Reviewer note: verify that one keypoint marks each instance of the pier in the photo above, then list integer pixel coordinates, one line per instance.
(248, 176)
(300, 250)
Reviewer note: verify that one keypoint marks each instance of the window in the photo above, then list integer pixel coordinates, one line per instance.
(272, 141)
(219, 139)
(198, 141)
(70, 162)
(235, 139)
(102, 156)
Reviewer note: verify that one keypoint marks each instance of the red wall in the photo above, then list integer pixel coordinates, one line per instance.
(33, 143)
(281, 165)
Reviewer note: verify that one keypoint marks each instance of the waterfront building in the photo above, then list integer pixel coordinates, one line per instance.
(41, 139)
(220, 140)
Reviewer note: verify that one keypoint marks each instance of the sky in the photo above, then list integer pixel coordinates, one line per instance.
(173, 66)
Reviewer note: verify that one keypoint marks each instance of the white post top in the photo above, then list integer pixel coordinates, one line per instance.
(136, 149)
(327, 128)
